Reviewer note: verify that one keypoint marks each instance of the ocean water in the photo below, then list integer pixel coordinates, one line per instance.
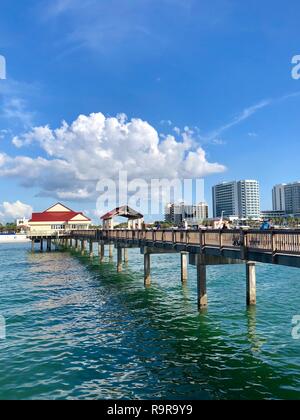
(76, 329)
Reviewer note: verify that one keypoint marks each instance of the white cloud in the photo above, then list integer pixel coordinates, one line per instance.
(214, 135)
(244, 115)
(14, 103)
(107, 26)
(16, 109)
(95, 147)
(166, 122)
(13, 211)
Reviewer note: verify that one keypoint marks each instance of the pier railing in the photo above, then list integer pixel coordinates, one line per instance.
(48, 234)
(272, 241)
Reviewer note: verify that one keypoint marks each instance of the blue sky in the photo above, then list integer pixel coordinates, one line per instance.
(220, 68)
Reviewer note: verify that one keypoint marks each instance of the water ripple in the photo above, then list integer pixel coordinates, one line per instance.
(78, 330)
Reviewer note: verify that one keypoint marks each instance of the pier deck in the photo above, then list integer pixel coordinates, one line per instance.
(200, 248)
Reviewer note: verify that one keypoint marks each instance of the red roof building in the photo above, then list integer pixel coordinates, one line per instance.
(57, 218)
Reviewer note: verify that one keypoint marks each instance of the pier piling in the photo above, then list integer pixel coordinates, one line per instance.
(82, 247)
(251, 283)
(184, 267)
(101, 252)
(111, 252)
(119, 262)
(201, 287)
(147, 269)
(126, 259)
(91, 253)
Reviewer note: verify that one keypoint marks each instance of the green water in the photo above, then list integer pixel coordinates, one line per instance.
(76, 329)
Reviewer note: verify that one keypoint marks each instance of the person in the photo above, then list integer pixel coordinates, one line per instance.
(225, 226)
(265, 225)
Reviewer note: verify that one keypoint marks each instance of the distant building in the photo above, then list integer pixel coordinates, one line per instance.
(22, 223)
(58, 218)
(249, 199)
(237, 198)
(286, 197)
(292, 198)
(272, 214)
(278, 197)
(192, 214)
(225, 199)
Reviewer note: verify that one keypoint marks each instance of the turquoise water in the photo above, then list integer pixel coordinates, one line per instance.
(77, 329)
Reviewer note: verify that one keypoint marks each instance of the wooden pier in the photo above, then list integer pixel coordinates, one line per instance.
(198, 248)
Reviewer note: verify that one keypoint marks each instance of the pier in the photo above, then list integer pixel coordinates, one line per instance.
(197, 248)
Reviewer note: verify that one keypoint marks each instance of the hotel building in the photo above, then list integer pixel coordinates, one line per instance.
(237, 198)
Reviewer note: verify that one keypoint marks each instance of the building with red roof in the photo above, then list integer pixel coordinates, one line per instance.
(58, 218)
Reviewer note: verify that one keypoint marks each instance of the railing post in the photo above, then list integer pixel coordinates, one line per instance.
(243, 245)
(274, 247)
(202, 241)
(221, 240)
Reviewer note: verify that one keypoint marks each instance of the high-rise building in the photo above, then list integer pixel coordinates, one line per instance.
(225, 199)
(249, 199)
(192, 214)
(237, 198)
(278, 197)
(290, 196)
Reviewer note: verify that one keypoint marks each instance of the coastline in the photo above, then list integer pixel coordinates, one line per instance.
(8, 239)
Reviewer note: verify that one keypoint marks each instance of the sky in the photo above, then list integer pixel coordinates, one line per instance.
(157, 88)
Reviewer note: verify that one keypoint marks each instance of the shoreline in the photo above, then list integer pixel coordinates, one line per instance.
(10, 239)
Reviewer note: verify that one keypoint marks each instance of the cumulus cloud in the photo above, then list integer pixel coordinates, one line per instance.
(13, 211)
(95, 147)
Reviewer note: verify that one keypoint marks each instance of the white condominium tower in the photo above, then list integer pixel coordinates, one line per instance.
(237, 198)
